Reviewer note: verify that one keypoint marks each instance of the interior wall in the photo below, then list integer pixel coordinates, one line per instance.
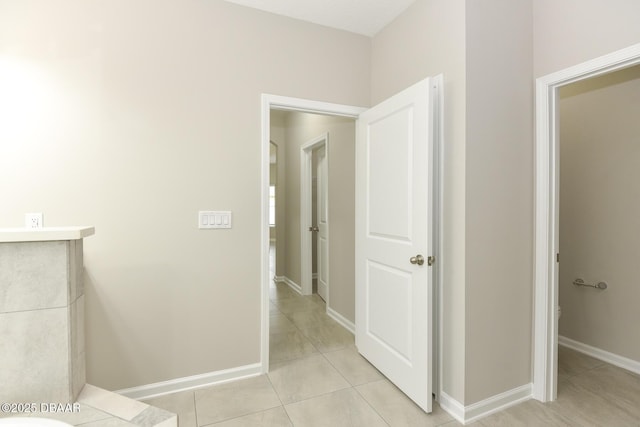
(569, 32)
(132, 116)
(599, 210)
(301, 128)
(499, 197)
(426, 40)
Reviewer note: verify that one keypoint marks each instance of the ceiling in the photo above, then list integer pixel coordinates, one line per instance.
(366, 17)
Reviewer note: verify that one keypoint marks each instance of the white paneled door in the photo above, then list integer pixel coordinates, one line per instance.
(322, 218)
(394, 239)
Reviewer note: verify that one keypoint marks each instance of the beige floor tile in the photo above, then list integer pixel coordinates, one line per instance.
(235, 399)
(182, 403)
(584, 408)
(304, 378)
(276, 417)
(355, 368)
(343, 408)
(311, 318)
(329, 338)
(289, 345)
(318, 300)
(571, 362)
(296, 303)
(614, 384)
(529, 413)
(273, 309)
(397, 409)
(280, 291)
(279, 324)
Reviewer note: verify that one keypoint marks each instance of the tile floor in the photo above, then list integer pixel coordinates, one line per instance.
(317, 378)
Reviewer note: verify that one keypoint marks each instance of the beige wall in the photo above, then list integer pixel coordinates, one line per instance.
(569, 32)
(300, 128)
(132, 116)
(599, 211)
(499, 197)
(426, 40)
(488, 191)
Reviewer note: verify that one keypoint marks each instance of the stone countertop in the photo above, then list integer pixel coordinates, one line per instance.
(45, 234)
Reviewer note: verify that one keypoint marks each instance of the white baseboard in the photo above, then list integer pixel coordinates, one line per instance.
(348, 324)
(293, 285)
(605, 356)
(452, 407)
(486, 407)
(190, 383)
(498, 403)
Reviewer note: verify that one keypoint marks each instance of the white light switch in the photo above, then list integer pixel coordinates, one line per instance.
(214, 219)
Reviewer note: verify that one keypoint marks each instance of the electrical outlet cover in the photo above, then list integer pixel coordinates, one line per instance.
(33, 220)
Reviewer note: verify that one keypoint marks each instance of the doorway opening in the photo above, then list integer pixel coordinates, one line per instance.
(547, 248)
(273, 108)
(394, 227)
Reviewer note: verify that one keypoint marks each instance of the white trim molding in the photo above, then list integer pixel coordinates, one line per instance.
(545, 345)
(293, 285)
(597, 353)
(486, 407)
(348, 324)
(192, 382)
(452, 406)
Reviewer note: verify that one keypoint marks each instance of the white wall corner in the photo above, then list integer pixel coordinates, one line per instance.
(486, 407)
(192, 382)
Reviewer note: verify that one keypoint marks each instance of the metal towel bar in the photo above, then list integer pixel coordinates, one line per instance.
(599, 285)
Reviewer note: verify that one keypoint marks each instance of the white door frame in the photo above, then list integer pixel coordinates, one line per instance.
(276, 102)
(547, 211)
(306, 206)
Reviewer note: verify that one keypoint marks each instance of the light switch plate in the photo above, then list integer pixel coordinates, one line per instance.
(214, 219)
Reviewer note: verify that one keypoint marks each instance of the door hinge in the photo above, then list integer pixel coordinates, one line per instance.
(558, 257)
(431, 260)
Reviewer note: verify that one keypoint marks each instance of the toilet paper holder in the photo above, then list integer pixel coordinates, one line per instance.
(599, 285)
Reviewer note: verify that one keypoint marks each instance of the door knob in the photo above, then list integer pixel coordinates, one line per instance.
(418, 259)
(315, 229)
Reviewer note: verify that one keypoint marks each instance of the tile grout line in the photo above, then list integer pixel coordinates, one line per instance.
(279, 399)
(370, 405)
(353, 387)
